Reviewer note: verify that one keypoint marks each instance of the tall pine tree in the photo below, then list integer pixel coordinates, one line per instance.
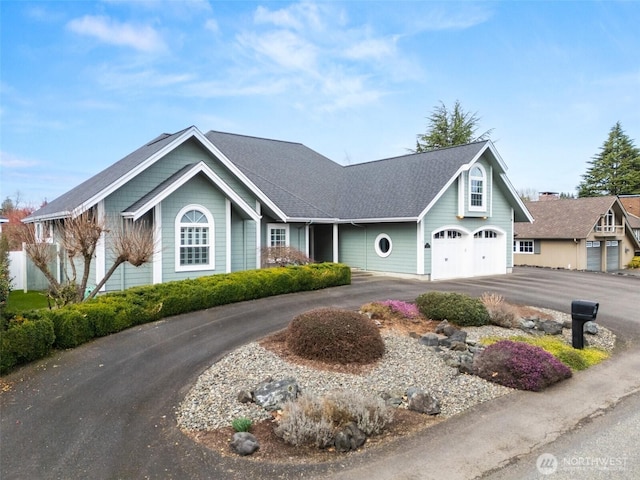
(615, 170)
(448, 128)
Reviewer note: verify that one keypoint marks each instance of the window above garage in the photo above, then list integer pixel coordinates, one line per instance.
(477, 189)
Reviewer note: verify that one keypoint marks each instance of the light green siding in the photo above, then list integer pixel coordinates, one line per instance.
(357, 247)
(444, 215)
(197, 191)
(243, 242)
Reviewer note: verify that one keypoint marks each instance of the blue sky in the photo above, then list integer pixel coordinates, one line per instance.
(85, 83)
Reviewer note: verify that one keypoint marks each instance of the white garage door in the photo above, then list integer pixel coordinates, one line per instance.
(489, 253)
(449, 255)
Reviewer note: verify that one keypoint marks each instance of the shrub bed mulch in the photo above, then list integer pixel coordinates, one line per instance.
(275, 450)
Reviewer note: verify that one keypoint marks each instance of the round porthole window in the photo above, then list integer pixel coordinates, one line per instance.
(383, 245)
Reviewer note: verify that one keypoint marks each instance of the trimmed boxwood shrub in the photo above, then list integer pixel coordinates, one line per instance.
(25, 340)
(76, 324)
(457, 308)
(334, 335)
(519, 365)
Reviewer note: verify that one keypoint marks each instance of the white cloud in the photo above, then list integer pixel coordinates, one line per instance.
(212, 25)
(299, 16)
(283, 47)
(8, 160)
(375, 48)
(140, 37)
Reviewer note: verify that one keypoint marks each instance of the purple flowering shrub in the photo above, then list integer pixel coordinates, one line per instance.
(407, 310)
(519, 365)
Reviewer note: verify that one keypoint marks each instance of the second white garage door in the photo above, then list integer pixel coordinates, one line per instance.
(458, 254)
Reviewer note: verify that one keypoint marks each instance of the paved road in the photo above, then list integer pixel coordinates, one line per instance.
(605, 447)
(107, 409)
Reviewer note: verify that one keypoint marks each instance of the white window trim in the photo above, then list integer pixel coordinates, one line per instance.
(516, 247)
(483, 207)
(278, 226)
(210, 224)
(376, 245)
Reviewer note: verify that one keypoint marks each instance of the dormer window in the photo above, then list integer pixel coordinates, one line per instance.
(477, 189)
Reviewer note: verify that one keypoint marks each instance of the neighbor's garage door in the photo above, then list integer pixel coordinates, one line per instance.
(449, 255)
(593, 256)
(613, 255)
(489, 253)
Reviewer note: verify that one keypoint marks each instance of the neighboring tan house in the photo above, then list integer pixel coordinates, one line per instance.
(591, 233)
(631, 204)
(216, 199)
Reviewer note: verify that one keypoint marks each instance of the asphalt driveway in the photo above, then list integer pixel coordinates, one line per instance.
(106, 410)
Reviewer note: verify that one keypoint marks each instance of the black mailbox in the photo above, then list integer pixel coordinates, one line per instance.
(582, 311)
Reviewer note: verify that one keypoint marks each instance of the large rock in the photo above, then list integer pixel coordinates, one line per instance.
(430, 340)
(422, 402)
(350, 437)
(466, 363)
(273, 395)
(244, 443)
(550, 327)
(591, 328)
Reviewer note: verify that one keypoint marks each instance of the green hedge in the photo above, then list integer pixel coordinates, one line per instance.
(74, 325)
(457, 308)
(25, 340)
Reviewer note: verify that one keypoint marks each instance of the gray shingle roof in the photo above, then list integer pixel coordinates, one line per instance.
(80, 195)
(401, 187)
(301, 182)
(306, 184)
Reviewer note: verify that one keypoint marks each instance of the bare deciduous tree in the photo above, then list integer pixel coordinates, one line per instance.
(78, 238)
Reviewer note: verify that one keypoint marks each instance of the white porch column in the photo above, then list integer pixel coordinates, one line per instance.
(228, 236)
(258, 236)
(307, 243)
(101, 248)
(335, 243)
(157, 244)
(420, 248)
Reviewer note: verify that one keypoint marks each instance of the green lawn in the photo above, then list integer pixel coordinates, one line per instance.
(19, 301)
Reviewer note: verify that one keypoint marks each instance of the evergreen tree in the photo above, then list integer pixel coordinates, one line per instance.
(447, 129)
(615, 170)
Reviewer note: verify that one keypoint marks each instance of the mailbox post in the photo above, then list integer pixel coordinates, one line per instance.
(582, 311)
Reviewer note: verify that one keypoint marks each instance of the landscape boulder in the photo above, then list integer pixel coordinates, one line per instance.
(273, 395)
(422, 402)
(244, 443)
(349, 437)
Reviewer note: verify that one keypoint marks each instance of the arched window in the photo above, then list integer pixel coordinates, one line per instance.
(194, 239)
(477, 188)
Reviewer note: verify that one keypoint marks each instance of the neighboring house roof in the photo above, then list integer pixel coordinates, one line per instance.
(564, 218)
(633, 221)
(631, 204)
(295, 182)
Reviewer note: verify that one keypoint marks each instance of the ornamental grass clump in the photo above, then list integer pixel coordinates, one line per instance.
(519, 365)
(241, 424)
(500, 312)
(336, 336)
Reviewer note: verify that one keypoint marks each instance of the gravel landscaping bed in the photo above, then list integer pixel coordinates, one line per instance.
(212, 402)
